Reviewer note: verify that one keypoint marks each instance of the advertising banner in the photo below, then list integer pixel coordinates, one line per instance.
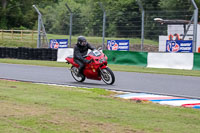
(119, 45)
(58, 43)
(179, 46)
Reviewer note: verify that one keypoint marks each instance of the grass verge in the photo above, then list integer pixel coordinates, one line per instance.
(113, 67)
(96, 41)
(27, 107)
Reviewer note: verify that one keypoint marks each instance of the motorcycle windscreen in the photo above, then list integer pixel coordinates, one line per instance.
(95, 53)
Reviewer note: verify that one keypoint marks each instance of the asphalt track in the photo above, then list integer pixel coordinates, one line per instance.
(187, 86)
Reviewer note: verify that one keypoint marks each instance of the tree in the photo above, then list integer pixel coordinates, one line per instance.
(4, 3)
(19, 13)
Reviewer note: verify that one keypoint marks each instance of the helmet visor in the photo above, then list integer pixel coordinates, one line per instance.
(83, 43)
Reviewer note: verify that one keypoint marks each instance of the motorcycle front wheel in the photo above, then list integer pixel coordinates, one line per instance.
(75, 75)
(107, 76)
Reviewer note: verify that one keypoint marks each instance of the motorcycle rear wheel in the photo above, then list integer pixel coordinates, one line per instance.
(107, 76)
(75, 75)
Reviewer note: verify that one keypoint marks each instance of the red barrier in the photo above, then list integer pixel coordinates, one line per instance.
(190, 105)
(154, 98)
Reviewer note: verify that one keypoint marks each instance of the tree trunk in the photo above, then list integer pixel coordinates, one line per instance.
(4, 3)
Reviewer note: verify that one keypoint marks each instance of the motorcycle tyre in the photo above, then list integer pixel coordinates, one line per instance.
(74, 75)
(109, 73)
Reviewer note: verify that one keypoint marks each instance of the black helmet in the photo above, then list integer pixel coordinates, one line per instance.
(81, 39)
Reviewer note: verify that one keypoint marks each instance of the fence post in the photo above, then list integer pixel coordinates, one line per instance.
(104, 23)
(195, 25)
(70, 28)
(2, 34)
(12, 34)
(32, 35)
(21, 35)
(39, 26)
(142, 28)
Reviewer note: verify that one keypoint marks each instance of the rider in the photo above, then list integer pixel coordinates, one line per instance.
(80, 50)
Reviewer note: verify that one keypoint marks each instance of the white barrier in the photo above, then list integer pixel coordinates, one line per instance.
(170, 60)
(154, 60)
(63, 53)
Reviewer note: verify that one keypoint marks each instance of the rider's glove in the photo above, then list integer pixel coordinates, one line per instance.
(88, 61)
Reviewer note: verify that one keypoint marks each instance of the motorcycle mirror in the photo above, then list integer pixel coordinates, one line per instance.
(99, 48)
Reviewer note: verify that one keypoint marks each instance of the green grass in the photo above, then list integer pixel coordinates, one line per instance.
(12, 43)
(113, 67)
(155, 70)
(96, 41)
(27, 39)
(35, 62)
(27, 107)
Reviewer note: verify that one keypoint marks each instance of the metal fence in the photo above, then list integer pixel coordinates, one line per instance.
(159, 24)
(137, 26)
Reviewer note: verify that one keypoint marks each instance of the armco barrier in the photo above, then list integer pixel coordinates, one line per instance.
(29, 53)
(196, 62)
(127, 57)
(159, 60)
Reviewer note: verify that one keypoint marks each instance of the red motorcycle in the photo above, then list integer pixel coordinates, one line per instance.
(95, 70)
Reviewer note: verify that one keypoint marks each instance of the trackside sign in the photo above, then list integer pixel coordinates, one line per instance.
(119, 45)
(58, 43)
(179, 46)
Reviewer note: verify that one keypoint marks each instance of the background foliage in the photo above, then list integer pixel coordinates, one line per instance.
(87, 15)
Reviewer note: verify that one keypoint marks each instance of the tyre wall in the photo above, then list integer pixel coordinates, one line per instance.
(29, 53)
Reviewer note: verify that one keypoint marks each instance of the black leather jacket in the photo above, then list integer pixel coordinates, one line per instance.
(80, 51)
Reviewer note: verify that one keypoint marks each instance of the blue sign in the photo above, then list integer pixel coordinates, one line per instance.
(58, 43)
(179, 46)
(120, 45)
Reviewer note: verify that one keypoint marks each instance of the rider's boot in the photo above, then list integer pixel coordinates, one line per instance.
(80, 73)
